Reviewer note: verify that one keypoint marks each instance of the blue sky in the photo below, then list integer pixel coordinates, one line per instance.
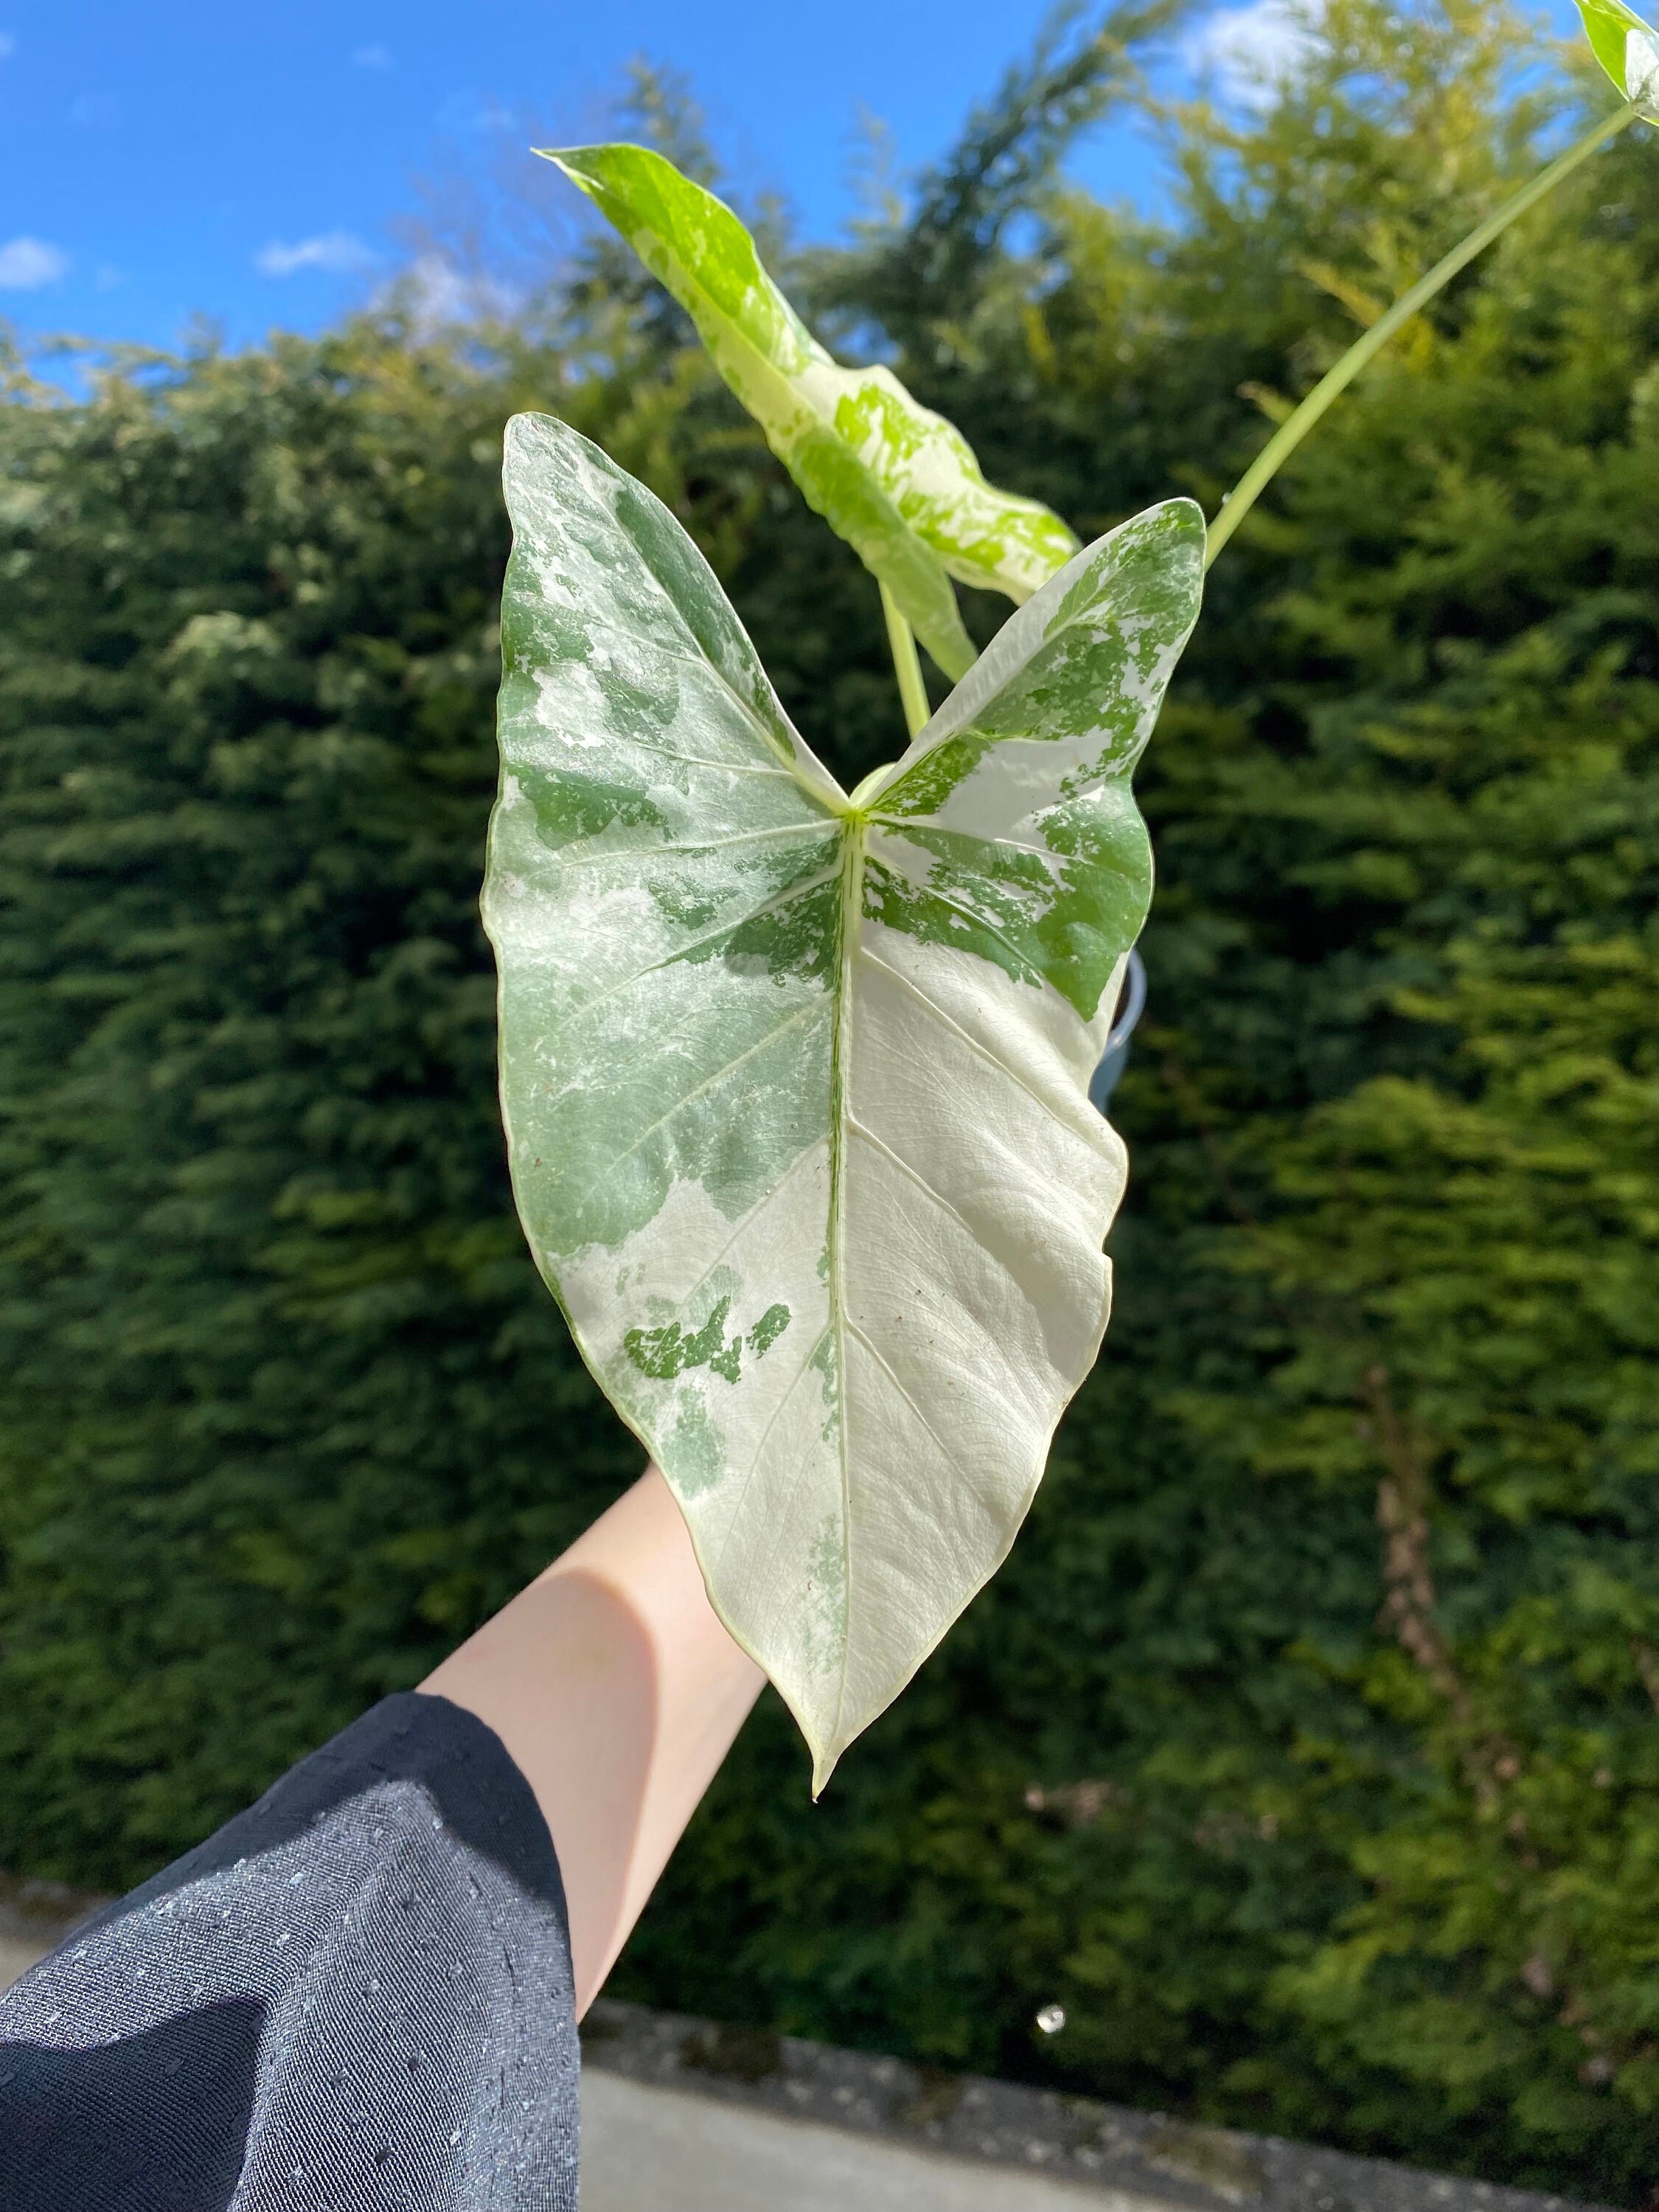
(162, 159)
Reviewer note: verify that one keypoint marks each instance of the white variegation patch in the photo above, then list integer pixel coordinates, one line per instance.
(1642, 67)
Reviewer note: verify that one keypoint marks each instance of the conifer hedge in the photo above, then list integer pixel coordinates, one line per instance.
(1307, 1752)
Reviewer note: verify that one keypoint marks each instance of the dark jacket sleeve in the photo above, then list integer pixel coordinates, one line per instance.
(356, 1995)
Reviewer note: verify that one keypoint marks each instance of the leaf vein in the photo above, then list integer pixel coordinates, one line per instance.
(787, 758)
(773, 1418)
(949, 1457)
(747, 1219)
(593, 859)
(978, 922)
(1096, 1138)
(719, 1074)
(858, 1129)
(781, 899)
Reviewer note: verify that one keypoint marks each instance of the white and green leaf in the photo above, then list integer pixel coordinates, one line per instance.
(795, 1087)
(896, 480)
(1626, 48)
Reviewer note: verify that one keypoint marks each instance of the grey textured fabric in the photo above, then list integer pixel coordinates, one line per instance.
(357, 1996)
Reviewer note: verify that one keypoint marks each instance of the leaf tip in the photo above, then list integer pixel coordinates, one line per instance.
(1626, 46)
(568, 159)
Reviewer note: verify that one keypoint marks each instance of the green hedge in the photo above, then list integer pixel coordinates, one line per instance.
(1307, 1750)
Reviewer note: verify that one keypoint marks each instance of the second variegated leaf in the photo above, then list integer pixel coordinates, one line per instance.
(896, 480)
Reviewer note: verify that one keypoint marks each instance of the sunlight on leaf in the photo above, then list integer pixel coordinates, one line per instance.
(796, 1090)
(1626, 48)
(899, 483)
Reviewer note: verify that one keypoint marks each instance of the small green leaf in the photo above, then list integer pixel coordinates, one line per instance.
(899, 483)
(1626, 48)
(796, 1092)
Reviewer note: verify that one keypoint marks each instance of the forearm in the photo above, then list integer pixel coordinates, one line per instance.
(618, 1691)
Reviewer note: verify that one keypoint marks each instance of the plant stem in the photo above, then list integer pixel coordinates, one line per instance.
(1290, 433)
(906, 665)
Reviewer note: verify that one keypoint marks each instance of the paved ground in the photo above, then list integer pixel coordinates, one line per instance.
(662, 2150)
(14, 1957)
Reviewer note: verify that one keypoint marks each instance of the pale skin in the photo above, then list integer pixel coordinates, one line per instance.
(618, 1691)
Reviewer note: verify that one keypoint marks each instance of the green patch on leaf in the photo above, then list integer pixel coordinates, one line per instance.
(663, 1353)
(768, 1329)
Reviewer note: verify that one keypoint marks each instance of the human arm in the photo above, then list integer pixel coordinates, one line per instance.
(618, 1691)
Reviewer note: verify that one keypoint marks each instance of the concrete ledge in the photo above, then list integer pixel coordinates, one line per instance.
(660, 2150)
(1107, 2151)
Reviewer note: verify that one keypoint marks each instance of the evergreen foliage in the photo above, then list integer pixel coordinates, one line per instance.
(1307, 1751)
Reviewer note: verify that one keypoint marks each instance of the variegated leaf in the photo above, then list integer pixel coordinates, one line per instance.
(795, 1085)
(899, 483)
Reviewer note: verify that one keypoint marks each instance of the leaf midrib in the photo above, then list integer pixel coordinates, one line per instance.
(841, 1115)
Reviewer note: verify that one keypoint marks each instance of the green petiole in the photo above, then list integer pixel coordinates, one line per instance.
(1290, 433)
(907, 664)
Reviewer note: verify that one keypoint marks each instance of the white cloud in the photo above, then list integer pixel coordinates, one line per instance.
(473, 112)
(334, 251)
(437, 296)
(29, 263)
(372, 57)
(1253, 49)
(92, 110)
(8, 46)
